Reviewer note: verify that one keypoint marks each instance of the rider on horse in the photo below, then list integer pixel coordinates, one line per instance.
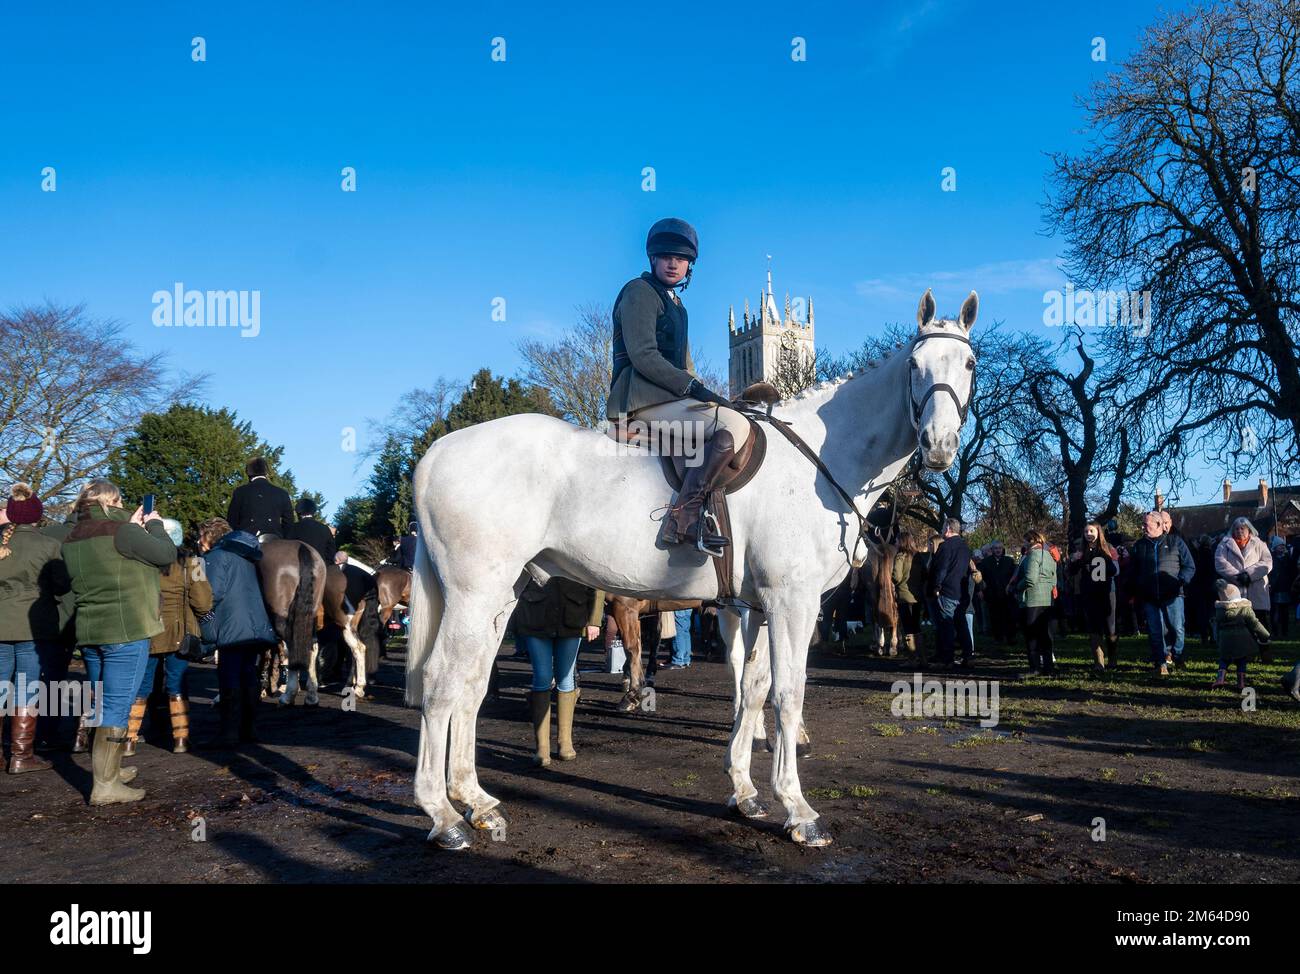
(654, 378)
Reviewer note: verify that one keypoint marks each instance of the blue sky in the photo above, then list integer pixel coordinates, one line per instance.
(522, 179)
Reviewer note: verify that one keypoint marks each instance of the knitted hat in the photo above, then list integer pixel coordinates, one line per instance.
(23, 507)
(174, 530)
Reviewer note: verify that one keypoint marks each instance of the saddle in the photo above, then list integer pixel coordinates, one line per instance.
(740, 471)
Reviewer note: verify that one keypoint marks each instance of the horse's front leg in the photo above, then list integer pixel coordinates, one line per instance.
(752, 681)
(629, 627)
(790, 625)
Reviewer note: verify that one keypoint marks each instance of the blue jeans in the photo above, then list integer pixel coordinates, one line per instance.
(119, 666)
(20, 670)
(173, 675)
(682, 639)
(1165, 629)
(553, 660)
(952, 628)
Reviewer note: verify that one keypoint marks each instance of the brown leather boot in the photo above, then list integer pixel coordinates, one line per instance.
(22, 735)
(179, 710)
(681, 523)
(133, 725)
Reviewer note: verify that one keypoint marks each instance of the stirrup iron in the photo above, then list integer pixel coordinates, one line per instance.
(710, 544)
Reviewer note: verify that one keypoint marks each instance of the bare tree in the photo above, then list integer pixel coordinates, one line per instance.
(795, 371)
(75, 389)
(1190, 196)
(414, 414)
(576, 370)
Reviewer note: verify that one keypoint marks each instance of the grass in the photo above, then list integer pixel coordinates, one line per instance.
(888, 730)
(830, 794)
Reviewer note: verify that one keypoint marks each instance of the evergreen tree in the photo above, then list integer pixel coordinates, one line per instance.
(191, 458)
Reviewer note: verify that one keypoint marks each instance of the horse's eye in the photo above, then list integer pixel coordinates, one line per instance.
(911, 363)
(970, 364)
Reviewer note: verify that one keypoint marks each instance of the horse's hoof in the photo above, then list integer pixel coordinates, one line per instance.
(453, 838)
(312, 703)
(810, 834)
(802, 750)
(490, 821)
(283, 702)
(750, 808)
(630, 704)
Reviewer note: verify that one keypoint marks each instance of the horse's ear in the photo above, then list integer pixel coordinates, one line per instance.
(925, 310)
(969, 309)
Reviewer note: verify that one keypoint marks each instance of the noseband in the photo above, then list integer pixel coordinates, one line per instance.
(919, 407)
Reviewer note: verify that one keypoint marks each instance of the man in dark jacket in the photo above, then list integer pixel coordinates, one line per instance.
(405, 554)
(259, 507)
(997, 569)
(312, 532)
(949, 586)
(1162, 566)
(240, 625)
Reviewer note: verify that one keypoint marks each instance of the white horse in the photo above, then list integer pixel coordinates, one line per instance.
(533, 493)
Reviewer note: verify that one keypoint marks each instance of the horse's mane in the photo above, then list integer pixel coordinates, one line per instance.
(818, 389)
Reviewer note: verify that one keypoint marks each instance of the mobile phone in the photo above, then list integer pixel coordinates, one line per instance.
(147, 504)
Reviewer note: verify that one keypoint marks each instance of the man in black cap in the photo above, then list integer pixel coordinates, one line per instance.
(312, 532)
(654, 379)
(259, 506)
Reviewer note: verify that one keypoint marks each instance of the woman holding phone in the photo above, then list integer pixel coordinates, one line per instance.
(113, 560)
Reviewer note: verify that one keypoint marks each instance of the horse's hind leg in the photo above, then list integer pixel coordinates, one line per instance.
(455, 678)
(313, 687)
(462, 774)
(358, 661)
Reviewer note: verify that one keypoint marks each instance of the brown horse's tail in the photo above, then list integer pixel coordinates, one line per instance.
(885, 603)
(302, 612)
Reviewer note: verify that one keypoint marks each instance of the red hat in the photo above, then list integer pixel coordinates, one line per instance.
(23, 507)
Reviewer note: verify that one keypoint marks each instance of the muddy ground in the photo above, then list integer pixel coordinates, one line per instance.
(1191, 788)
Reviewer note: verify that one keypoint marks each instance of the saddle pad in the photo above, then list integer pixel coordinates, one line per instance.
(748, 461)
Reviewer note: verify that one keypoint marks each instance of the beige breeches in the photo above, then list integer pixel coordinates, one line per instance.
(708, 415)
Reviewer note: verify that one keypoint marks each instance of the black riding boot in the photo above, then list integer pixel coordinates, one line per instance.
(251, 699)
(227, 712)
(683, 521)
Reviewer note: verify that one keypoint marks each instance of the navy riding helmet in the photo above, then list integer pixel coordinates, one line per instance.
(673, 236)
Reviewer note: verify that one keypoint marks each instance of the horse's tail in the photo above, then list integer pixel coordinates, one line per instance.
(302, 612)
(426, 614)
(887, 605)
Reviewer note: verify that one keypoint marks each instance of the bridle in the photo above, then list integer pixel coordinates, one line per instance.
(919, 407)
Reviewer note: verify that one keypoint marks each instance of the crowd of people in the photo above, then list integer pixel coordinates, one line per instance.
(1237, 590)
(125, 592)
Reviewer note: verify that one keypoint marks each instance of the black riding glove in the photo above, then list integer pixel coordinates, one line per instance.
(1243, 579)
(697, 390)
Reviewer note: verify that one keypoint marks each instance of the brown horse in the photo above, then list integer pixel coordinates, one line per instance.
(626, 613)
(300, 595)
(394, 588)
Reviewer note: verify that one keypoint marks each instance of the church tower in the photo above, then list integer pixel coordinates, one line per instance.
(763, 336)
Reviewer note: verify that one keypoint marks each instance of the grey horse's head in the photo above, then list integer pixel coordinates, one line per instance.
(942, 379)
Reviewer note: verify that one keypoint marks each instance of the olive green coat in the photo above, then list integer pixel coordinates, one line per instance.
(1238, 629)
(909, 576)
(32, 577)
(563, 608)
(640, 314)
(114, 567)
(186, 596)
